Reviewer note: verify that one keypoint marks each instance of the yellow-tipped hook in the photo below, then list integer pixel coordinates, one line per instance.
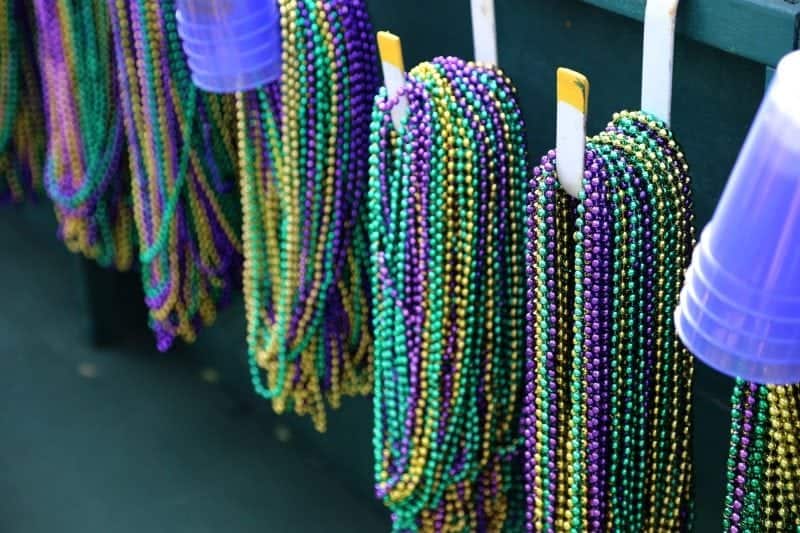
(573, 103)
(394, 73)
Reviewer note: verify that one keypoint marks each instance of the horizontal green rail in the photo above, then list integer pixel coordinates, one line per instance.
(760, 30)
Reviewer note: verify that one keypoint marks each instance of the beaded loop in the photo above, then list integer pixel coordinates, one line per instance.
(445, 228)
(22, 131)
(181, 149)
(303, 158)
(606, 410)
(85, 139)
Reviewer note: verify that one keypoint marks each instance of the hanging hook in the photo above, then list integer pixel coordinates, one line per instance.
(394, 73)
(484, 31)
(657, 57)
(572, 90)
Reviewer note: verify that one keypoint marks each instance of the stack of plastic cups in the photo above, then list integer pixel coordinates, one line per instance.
(740, 306)
(232, 45)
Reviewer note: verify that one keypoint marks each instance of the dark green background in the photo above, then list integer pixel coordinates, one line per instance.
(716, 94)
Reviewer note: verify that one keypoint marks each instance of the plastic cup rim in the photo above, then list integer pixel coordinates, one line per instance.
(211, 88)
(704, 278)
(699, 331)
(694, 323)
(193, 59)
(701, 248)
(206, 73)
(680, 326)
(700, 278)
(690, 294)
(239, 37)
(253, 52)
(263, 71)
(264, 11)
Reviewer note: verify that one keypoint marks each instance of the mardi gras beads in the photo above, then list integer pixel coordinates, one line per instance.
(182, 159)
(763, 467)
(445, 226)
(84, 127)
(606, 411)
(22, 132)
(303, 157)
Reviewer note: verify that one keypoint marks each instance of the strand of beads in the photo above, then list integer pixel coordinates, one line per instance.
(84, 130)
(303, 163)
(606, 410)
(445, 224)
(182, 155)
(22, 132)
(763, 469)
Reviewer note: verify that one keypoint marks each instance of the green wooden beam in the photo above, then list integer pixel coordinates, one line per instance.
(760, 30)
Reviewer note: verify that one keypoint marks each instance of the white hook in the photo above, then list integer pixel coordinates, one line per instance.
(657, 57)
(484, 31)
(572, 89)
(394, 73)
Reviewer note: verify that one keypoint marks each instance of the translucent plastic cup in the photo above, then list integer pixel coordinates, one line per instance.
(740, 306)
(230, 28)
(772, 342)
(223, 11)
(238, 81)
(718, 355)
(206, 71)
(231, 45)
(217, 46)
(721, 293)
(217, 60)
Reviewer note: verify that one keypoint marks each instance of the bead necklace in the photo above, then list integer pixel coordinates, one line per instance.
(303, 150)
(22, 132)
(182, 155)
(606, 408)
(763, 468)
(84, 128)
(445, 227)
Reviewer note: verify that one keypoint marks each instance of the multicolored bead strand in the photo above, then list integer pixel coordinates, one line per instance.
(606, 411)
(763, 469)
(84, 130)
(22, 130)
(303, 145)
(182, 152)
(446, 214)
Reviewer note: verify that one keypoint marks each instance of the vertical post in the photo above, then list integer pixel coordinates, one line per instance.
(394, 73)
(658, 53)
(484, 31)
(573, 102)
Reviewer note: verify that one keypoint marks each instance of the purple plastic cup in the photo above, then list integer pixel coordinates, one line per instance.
(224, 11)
(210, 44)
(231, 45)
(216, 58)
(229, 29)
(740, 305)
(258, 76)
